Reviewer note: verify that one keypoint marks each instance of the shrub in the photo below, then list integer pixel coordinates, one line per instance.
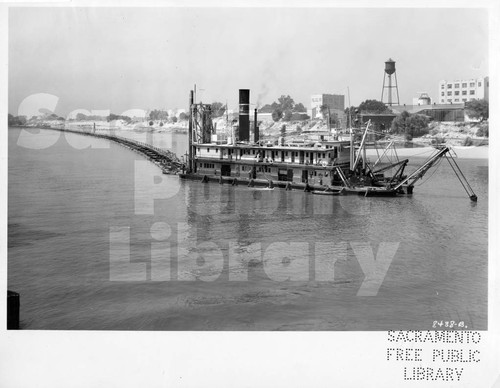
(467, 142)
(411, 125)
(477, 109)
(482, 131)
(277, 114)
(287, 115)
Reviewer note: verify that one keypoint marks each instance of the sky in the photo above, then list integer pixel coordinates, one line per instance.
(120, 59)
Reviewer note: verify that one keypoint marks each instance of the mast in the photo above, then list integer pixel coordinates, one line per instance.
(227, 116)
(351, 145)
(190, 129)
(362, 147)
(329, 122)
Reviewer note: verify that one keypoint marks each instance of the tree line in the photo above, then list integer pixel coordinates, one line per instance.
(285, 108)
(415, 125)
(23, 120)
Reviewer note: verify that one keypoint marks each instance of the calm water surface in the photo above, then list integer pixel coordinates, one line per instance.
(67, 202)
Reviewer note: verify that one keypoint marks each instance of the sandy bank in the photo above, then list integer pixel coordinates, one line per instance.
(480, 152)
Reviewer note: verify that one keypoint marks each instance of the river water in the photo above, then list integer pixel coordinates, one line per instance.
(89, 246)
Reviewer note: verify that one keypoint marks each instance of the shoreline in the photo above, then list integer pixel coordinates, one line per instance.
(462, 152)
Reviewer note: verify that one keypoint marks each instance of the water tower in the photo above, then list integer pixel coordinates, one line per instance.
(389, 71)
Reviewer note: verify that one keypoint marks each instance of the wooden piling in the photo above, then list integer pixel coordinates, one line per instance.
(13, 310)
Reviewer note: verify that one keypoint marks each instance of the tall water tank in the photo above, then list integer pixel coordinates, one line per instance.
(389, 72)
(390, 66)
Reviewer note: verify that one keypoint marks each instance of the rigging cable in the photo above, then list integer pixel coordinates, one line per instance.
(435, 166)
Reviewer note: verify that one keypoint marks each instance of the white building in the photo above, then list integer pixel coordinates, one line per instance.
(422, 99)
(460, 91)
(333, 101)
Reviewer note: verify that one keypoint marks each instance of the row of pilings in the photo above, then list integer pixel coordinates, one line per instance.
(161, 157)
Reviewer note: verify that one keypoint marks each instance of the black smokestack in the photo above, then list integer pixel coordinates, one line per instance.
(244, 130)
(255, 128)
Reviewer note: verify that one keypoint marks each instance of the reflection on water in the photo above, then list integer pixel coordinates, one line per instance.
(217, 257)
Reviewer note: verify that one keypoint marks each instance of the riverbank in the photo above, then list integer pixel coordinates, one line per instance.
(462, 152)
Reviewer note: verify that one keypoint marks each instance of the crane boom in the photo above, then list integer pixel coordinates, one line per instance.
(419, 173)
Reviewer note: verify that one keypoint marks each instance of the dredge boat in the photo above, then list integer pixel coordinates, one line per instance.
(327, 167)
